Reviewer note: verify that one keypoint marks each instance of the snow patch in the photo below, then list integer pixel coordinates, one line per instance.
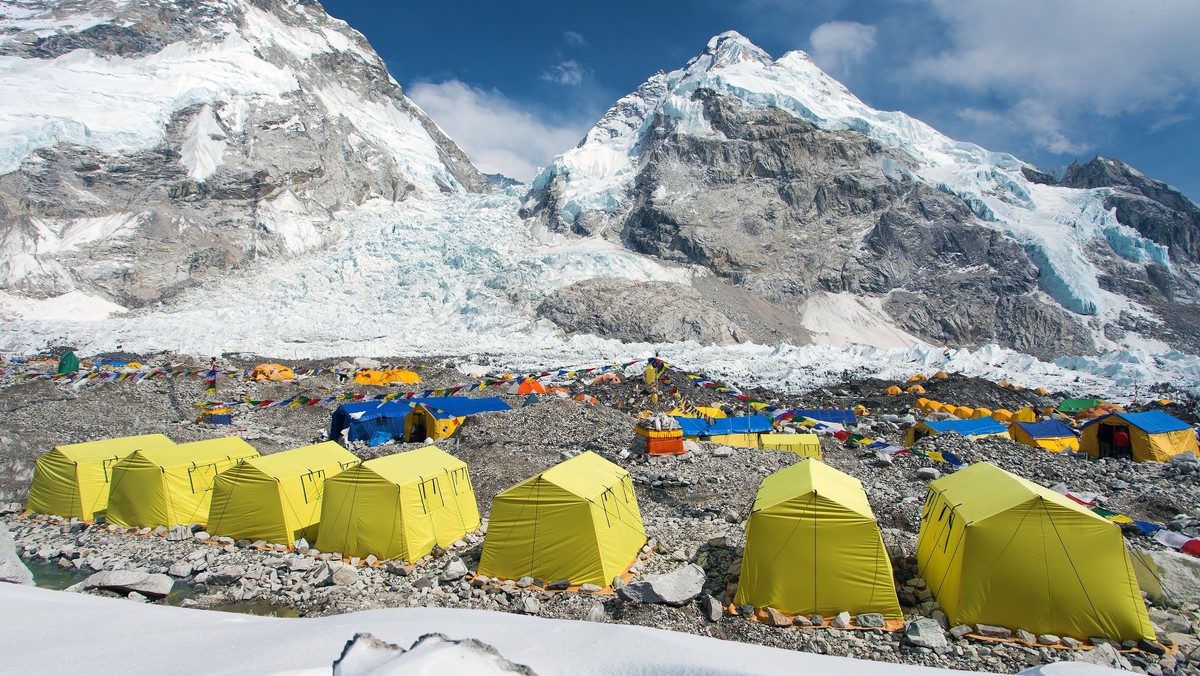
(204, 145)
(842, 320)
(71, 306)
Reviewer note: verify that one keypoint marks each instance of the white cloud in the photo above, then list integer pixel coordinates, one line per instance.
(574, 39)
(565, 73)
(497, 134)
(839, 45)
(1032, 119)
(1106, 56)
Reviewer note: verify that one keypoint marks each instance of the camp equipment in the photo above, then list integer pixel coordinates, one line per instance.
(1052, 435)
(72, 480)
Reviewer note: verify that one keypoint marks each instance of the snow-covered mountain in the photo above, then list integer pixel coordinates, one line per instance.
(146, 146)
(790, 189)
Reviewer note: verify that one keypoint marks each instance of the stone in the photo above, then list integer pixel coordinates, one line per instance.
(1048, 639)
(869, 621)
(988, 631)
(455, 570)
(1152, 647)
(959, 631)
(596, 613)
(179, 534)
(925, 633)
(371, 560)
(777, 619)
(180, 569)
(12, 569)
(840, 621)
(590, 588)
(201, 536)
(1169, 578)
(558, 585)
(345, 576)
(1071, 642)
(301, 546)
(300, 564)
(711, 608)
(227, 574)
(134, 596)
(802, 621)
(1025, 636)
(160, 531)
(1104, 655)
(125, 581)
(424, 583)
(676, 588)
(529, 606)
(399, 568)
(816, 620)
(525, 582)
(928, 473)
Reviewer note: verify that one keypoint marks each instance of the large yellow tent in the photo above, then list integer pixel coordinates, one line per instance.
(276, 497)
(73, 480)
(1051, 435)
(399, 506)
(171, 485)
(813, 546)
(578, 521)
(1154, 436)
(376, 377)
(273, 372)
(803, 445)
(997, 549)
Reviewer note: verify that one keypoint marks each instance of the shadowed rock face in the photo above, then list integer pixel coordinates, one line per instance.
(289, 162)
(784, 210)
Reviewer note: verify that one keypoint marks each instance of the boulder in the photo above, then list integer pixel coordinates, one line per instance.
(1168, 578)
(928, 473)
(958, 631)
(456, 570)
(179, 534)
(529, 606)
(1104, 655)
(590, 588)
(559, 585)
(125, 581)
(524, 582)
(227, 574)
(596, 613)
(870, 620)
(345, 576)
(840, 621)
(777, 619)
(201, 536)
(1025, 636)
(180, 569)
(676, 588)
(12, 569)
(988, 631)
(711, 608)
(925, 633)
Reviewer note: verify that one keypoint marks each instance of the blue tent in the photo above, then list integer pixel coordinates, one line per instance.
(1150, 422)
(1047, 429)
(967, 428)
(699, 427)
(834, 416)
(366, 420)
(457, 407)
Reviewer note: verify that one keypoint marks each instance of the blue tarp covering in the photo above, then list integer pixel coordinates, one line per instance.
(842, 417)
(1150, 422)
(699, 427)
(1047, 429)
(967, 428)
(457, 407)
(389, 416)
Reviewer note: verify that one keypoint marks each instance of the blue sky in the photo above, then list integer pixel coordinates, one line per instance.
(1050, 81)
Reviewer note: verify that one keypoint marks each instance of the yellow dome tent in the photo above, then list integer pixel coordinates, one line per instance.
(171, 485)
(892, 390)
(1002, 415)
(981, 412)
(399, 506)
(276, 497)
(578, 521)
(920, 377)
(273, 372)
(73, 480)
(941, 375)
(813, 546)
(1026, 414)
(997, 549)
(915, 389)
(964, 412)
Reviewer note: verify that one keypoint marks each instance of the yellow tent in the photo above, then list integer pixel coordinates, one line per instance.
(1002, 415)
(920, 377)
(740, 440)
(964, 412)
(997, 549)
(813, 546)
(402, 376)
(697, 412)
(370, 377)
(276, 497)
(73, 480)
(892, 390)
(1026, 414)
(1051, 435)
(376, 377)
(1154, 436)
(981, 412)
(171, 485)
(578, 521)
(803, 445)
(399, 506)
(915, 389)
(424, 423)
(273, 372)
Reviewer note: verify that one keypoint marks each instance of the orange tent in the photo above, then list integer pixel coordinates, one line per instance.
(964, 412)
(586, 398)
(892, 390)
(607, 379)
(915, 379)
(1002, 415)
(273, 372)
(915, 389)
(941, 375)
(527, 386)
(981, 412)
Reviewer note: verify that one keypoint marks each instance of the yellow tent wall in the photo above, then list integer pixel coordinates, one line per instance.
(276, 497)
(1052, 444)
(435, 428)
(578, 521)
(749, 440)
(399, 506)
(997, 549)
(171, 485)
(73, 480)
(803, 445)
(813, 546)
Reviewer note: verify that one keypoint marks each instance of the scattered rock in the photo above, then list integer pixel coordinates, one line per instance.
(988, 631)
(456, 570)
(345, 576)
(12, 569)
(125, 581)
(928, 473)
(777, 619)
(559, 585)
(870, 620)
(180, 569)
(596, 613)
(925, 633)
(711, 608)
(530, 606)
(675, 588)
(841, 620)
(590, 588)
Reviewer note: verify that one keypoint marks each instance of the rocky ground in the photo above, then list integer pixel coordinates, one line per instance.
(694, 507)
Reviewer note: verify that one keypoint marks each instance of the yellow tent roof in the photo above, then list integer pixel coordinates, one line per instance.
(587, 475)
(198, 452)
(983, 490)
(91, 451)
(302, 460)
(811, 476)
(410, 466)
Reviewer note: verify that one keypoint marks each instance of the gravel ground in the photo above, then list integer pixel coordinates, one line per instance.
(693, 506)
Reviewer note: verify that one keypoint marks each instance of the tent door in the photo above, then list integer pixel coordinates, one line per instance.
(201, 477)
(460, 480)
(1104, 441)
(418, 431)
(431, 496)
(312, 485)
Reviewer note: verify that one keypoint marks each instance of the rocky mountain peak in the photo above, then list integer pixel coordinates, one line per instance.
(730, 48)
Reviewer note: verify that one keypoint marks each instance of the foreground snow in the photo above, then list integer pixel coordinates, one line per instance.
(49, 631)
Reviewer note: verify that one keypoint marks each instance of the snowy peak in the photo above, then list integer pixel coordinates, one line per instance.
(235, 128)
(727, 49)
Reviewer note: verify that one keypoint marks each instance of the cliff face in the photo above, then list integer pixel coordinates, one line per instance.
(168, 142)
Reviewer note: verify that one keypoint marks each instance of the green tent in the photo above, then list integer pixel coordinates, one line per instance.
(68, 364)
(1073, 406)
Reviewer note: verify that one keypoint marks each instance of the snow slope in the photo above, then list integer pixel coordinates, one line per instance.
(64, 632)
(1054, 224)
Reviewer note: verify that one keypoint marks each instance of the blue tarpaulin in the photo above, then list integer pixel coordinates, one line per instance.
(1150, 422)
(834, 416)
(1047, 429)
(365, 419)
(699, 427)
(967, 428)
